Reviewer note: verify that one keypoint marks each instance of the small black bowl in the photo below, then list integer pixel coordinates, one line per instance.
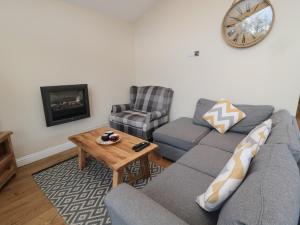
(105, 137)
(109, 133)
(114, 137)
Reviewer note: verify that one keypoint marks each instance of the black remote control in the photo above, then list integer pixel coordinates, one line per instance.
(140, 146)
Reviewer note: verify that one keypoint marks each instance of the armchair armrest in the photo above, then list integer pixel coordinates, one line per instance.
(155, 115)
(120, 108)
(128, 206)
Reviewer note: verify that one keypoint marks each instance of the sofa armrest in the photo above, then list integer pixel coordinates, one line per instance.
(155, 115)
(120, 108)
(128, 206)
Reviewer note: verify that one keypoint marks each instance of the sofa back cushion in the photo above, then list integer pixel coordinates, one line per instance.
(256, 114)
(270, 193)
(285, 131)
(153, 98)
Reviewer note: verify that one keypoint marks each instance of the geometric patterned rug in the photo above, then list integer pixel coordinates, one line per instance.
(79, 195)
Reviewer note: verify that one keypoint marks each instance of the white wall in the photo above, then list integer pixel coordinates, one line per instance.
(50, 42)
(264, 74)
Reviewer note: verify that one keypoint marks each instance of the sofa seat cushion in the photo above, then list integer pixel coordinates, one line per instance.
(227, 141)
(181, 133)
(177, 188)
(270, 193)
(206, 159)
(130, 118)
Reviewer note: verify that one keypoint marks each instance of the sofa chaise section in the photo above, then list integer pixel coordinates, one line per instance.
(179, 136)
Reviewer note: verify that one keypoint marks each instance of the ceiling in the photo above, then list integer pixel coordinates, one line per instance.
(129, 10)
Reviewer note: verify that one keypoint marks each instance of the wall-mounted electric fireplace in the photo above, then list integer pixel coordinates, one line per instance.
(63, 104)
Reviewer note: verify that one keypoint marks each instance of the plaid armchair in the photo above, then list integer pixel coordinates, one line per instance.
(148, 109)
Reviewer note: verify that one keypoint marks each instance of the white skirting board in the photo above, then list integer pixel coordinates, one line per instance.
(44, 154)
(53, 150)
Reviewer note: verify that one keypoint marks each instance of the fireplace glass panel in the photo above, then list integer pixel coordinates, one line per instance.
(66, 104)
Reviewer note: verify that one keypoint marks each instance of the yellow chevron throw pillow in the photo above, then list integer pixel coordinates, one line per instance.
(223, 115)
(236, 168)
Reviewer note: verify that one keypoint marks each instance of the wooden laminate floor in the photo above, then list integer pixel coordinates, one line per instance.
(22, 201)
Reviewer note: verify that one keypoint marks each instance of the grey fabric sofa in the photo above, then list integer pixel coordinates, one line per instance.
(270, 194)
(148, 109)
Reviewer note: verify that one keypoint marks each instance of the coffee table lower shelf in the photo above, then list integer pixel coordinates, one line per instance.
(118, 175)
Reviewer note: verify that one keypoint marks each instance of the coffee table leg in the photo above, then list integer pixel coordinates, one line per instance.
(145, 169)
(117, 177)
(81, 159)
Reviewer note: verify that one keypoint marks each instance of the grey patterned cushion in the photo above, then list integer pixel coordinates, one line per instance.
(145, 131)
(131, 118)
(133, 93)
(152, 98)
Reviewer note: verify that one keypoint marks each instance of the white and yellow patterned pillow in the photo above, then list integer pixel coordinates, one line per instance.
(223, 115)
(236, 168)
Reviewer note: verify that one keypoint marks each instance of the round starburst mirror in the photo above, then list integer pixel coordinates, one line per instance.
(248, 22)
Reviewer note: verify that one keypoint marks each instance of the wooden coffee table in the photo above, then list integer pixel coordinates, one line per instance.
(117, 156)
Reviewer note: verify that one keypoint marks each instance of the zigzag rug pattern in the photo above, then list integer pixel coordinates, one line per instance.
(79, 195)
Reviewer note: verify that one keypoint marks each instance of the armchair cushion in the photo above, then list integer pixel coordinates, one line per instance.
(120, 108)
(133, 93)
(153, 98)
(131, 118)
